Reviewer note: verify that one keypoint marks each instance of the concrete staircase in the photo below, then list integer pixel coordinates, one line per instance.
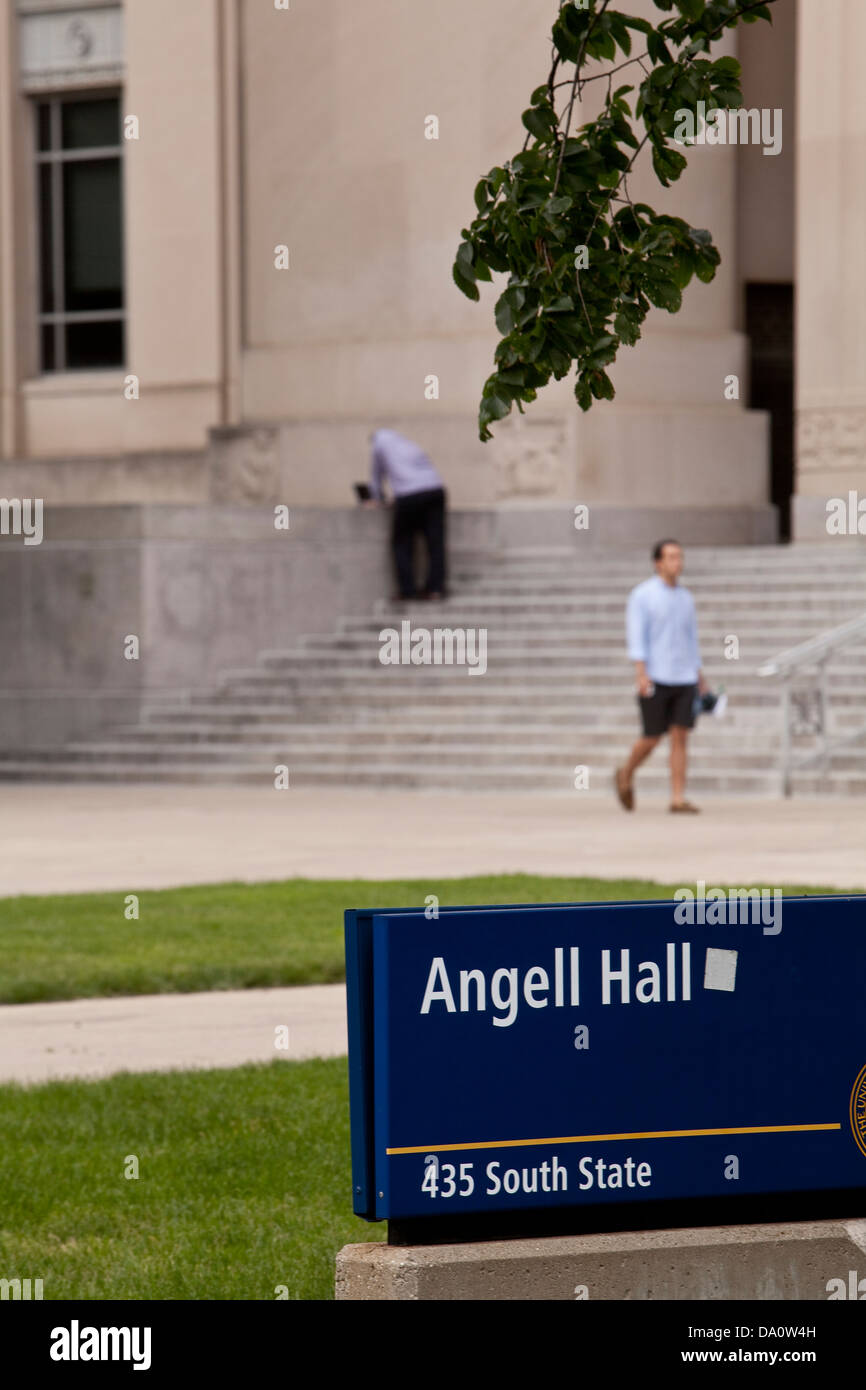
(557, 693)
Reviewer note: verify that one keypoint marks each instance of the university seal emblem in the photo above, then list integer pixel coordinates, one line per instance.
(857, 1111)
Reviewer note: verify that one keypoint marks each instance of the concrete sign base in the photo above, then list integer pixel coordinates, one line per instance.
(814, 1260)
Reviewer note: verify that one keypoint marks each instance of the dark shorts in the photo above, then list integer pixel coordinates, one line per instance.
(668, 704)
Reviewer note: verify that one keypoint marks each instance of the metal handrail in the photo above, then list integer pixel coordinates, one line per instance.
(805, 653)
(815, 652)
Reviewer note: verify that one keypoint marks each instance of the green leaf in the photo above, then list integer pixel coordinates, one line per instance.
(465, 255)
(528, 161)
(565, 43)
(601, 386)
(508, 307)
(505, 320)
(707, 261)
(560, 362)
(494, 407)
(683, 267)
(494, 257)
(627, 329)
(469, 288)
(668, 164)
(656, 47)
(582, 392)
(482, 197)
(576, 19)
(664, 75)
(513, 376)
(603, 352)
(601, 45)
(660, 167)
(619, 30)
(728, 67)
(540, 122)
(664, 294)
(628, 225)
(762, 12)
(727, 97)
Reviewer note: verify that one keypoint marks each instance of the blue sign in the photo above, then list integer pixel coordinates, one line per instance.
(509, 1058)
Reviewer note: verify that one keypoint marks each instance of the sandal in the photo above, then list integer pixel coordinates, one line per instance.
(623, 790)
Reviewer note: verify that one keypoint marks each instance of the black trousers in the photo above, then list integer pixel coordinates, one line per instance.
(422, 512)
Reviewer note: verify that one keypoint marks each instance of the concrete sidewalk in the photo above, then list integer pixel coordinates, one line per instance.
(160, 1032)
(74, 839)
(124, 839)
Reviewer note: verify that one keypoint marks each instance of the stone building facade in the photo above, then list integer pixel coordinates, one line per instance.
(243, 126)
(225, 256)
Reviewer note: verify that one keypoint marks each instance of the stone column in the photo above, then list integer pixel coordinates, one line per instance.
(831, 265)
(11, 277)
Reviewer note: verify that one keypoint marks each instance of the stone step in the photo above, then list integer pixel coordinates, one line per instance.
(557, 692)
(454, 759)
(429, 777)
(434, 728)
(821, 584)
(564, 639)
(490, 714)
(694, 574)
(805, 557)
(516, 680)
(352, 735)
(455, 762)
(599, 631)
(500, 657)
(546, 624)
(839, 597)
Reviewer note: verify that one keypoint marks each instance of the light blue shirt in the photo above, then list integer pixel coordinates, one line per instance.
(404, 464)
(662, 632)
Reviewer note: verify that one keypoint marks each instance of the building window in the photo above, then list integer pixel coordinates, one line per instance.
(80, 210)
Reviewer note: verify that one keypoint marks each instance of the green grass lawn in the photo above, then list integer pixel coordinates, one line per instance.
(244, 1184)
(233, 935)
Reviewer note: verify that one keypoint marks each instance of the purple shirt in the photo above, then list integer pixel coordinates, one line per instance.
(404, 464)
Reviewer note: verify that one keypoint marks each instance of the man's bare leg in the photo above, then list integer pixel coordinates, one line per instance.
(623, 775)
(639, 754)
(679, 737)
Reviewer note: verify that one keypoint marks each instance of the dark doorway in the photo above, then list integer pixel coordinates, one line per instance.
(770, 328)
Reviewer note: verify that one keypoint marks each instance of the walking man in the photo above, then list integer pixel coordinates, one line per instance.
(662, 633)
(419, 506)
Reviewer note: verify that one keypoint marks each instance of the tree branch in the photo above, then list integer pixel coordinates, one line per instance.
(574, 86)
